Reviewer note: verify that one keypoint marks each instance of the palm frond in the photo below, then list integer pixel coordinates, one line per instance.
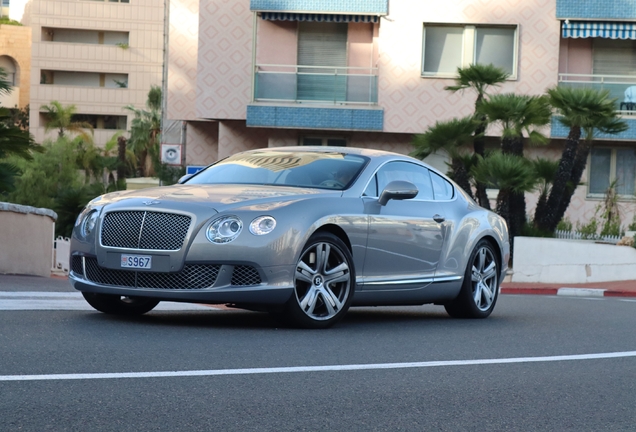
(478, 77)
(506, 171)
(445, 135)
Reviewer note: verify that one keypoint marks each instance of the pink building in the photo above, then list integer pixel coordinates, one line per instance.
(248, 74)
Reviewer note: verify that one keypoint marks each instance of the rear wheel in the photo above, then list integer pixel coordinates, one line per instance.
(324, 283)
(480, 289)
(120, 305)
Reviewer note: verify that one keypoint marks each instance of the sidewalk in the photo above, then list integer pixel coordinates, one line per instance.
(599, 289)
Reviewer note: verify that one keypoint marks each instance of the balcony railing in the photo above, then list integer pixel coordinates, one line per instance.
(324, 84)
(616, 84)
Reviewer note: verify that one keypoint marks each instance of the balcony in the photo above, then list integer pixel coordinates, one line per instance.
(316, 84)
(616, 84)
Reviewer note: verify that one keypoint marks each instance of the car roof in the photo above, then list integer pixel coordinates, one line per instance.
(331, 149)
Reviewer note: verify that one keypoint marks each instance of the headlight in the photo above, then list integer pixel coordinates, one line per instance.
(262, 225)
(224, 230)
(88, 224)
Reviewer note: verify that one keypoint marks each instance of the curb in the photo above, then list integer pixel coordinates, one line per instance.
(569, 292)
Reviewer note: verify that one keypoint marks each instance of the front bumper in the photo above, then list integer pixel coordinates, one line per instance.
(197, 282)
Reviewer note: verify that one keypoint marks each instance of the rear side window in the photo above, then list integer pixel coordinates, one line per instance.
(442, 189)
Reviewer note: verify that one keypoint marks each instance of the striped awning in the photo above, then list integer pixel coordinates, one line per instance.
(588, 29)
(340, 18)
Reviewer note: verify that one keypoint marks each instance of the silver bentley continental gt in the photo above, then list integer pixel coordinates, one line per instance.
(301, 232)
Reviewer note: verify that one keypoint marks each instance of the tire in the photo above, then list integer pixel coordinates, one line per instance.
(118, 305)
(323, 284)
(480, 288)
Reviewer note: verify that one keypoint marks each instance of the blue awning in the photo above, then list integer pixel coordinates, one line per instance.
(588, 29)
(340, 18)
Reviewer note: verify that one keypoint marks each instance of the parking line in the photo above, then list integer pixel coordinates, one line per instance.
(331, 368)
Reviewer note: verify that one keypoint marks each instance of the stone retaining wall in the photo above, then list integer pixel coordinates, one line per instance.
(26, 239)
(548, 260)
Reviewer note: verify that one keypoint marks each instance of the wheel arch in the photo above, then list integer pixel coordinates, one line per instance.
(495, 245)
(338, 232)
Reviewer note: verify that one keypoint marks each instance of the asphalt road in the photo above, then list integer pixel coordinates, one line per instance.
(553, 363)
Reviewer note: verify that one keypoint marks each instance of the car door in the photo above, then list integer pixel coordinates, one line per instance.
(405, 237)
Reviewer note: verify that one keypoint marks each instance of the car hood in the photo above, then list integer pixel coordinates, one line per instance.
(219, 197)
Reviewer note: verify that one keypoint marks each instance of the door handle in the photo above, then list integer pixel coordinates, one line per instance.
(439, 219)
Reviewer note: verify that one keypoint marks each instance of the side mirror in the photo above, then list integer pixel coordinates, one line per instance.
(184, 178)
(398, 190)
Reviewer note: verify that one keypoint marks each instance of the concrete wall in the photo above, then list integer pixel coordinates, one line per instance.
(546, 260)
(26, 239)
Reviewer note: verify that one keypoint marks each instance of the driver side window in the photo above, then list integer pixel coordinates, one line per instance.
(404, 171)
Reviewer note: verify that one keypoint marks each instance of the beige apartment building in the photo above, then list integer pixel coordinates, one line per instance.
(99, 55)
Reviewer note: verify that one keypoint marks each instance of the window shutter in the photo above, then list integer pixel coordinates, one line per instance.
(322, 44)
(614, 57)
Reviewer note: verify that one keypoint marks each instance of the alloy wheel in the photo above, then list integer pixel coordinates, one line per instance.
(484, 278)
(323, 281)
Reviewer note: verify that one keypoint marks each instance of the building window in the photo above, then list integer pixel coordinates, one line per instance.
(8, 66)
(614, 56)
(322, 44)
(323, 141)
(96, 37)
(448, 47)
(608, 165)
(84, 79)
(5, 3)
(112, 122)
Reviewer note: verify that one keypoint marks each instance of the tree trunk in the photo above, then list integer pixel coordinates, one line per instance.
(121, 161)
(580, 162)
(479, 145)
(517, 209)
(460, 176)
(548, 220)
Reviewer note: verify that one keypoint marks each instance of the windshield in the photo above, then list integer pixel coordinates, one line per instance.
(300, 169)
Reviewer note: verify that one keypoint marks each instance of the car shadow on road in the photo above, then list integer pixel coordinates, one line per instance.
(242, 319)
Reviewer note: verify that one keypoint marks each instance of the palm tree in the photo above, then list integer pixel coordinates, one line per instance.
(517, 115)
(5, 86)
(584, 110)
(144, 131)
(511, 174)
(479, 78)
(60, 117)
(450, 136)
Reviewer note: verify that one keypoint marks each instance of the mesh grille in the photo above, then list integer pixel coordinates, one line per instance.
(161, 231)
(196, 276)
(76, 265)
(191, 277)
(121, 229)
(245, 275)
(104, 276)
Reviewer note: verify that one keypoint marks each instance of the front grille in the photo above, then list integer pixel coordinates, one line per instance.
(193, 276)
(76, 265)
(245, 276)
(144, 230)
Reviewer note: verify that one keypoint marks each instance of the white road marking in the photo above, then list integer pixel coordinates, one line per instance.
(70, 301)
(581, 292)
(350, 367)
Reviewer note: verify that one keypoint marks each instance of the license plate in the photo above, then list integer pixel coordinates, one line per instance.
(136, 261)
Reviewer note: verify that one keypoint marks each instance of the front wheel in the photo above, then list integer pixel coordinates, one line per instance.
(323, 284)
(119, 305)
(480, 289)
